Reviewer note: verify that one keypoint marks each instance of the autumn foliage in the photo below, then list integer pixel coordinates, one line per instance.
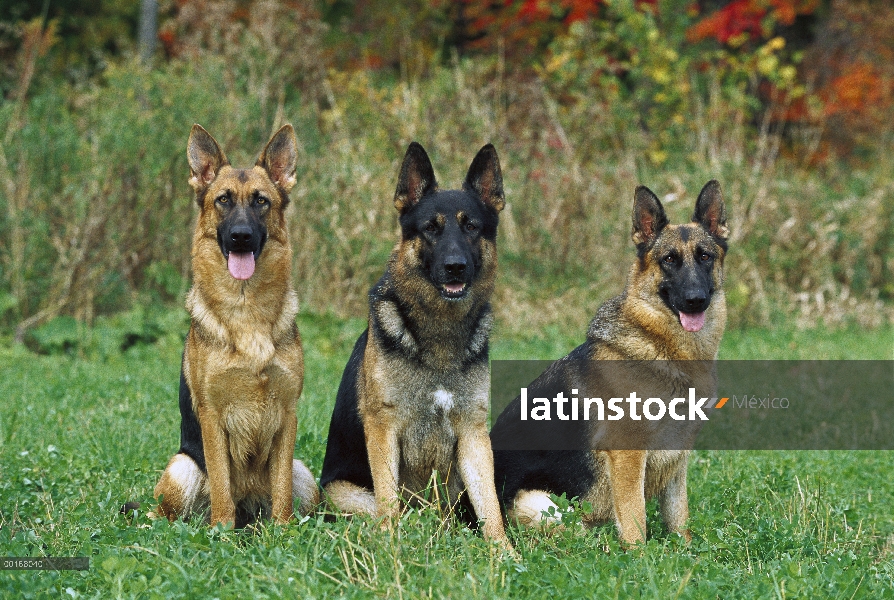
(749, 19)
(788, 102)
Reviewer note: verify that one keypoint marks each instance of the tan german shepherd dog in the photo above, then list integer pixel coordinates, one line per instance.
(659, 337)
(243, 366)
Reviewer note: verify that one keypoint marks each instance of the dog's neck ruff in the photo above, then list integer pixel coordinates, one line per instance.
(655, 340)
(444, 350)
(255, 343)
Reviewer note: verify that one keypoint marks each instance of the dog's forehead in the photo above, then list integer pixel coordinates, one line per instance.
(451, 203)
(689, 235)
(243, 183)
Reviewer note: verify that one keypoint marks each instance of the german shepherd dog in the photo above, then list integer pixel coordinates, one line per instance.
(661, 335)
(243, 366)
(413, 399)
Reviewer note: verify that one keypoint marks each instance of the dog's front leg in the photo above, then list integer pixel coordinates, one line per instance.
(383, 452)
(627, 475)
(217, 462)
(281, 455)
(476, 466)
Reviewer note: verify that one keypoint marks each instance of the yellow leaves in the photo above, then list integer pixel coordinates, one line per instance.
(657, 156)
(660, 74)
(769, 64)
(774, 45)
(777, 43)
(787, 74)
(557, 61)
(766, 65)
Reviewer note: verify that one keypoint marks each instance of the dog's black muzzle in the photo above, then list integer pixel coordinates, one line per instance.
(453, 276)
(694, 300)
(689, 296)
(241, 236)
(686, 300)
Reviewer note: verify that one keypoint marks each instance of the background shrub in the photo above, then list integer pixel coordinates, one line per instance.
(97, 215)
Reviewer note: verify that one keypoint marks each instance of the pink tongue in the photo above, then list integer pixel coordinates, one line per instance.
(454, 288)
(241, 264)
(692, 321)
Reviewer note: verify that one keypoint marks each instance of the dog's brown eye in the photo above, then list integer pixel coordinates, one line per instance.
(222, 199)
(262, 200)
(470, 227)
(669, 259)
(704, 256)
(430, 227)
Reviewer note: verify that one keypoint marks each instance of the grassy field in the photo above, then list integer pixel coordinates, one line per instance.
(79, 437)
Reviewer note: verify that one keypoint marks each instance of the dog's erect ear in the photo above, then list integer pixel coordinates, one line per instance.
(417, 178)
(279, 156)
(205, 158)
(648, 217)
(710, 212)
(486, 179)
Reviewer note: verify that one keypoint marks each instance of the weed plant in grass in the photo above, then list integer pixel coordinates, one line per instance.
(79, 437)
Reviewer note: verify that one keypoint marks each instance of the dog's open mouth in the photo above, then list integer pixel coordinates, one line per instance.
(692, 321)
(241, 264)
(453, 291)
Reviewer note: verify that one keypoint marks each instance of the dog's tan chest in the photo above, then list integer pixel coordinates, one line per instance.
(249, 406)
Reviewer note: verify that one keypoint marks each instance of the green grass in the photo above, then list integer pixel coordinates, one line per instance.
(79, 437)
(809, 344)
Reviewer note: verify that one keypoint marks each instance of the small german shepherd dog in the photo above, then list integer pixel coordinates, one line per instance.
(662, 335)
(243, 367)
(413, 400)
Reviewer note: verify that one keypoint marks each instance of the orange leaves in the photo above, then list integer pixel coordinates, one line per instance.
(862, 86)
(523, 26)
(784, 12)
(746, 19)
(738, 17)
(851, 66)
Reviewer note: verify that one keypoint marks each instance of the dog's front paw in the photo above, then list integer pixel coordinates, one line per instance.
(227, 520)
(505, 548)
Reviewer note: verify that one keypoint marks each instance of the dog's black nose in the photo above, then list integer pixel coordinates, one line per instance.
(455, 266)
(241, 235)
(695, 302)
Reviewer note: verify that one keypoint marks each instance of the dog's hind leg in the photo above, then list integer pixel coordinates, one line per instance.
(534, 507)
(348, 498)
(305, 493)
(183, 488)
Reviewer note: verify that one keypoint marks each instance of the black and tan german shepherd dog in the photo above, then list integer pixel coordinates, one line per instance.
(413, 399)
(243, 366)
(659, 337)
